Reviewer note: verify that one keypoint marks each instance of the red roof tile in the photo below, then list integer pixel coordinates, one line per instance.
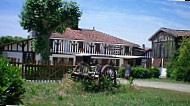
(90, 35)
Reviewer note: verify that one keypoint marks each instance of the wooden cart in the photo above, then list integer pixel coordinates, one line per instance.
(84, 70)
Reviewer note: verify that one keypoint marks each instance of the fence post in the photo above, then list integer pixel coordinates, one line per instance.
(18, 62)
(44, 64)
(22, 69)
(38, 71)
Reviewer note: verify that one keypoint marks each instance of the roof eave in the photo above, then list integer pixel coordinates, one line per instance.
(161, 29)
(17, 42)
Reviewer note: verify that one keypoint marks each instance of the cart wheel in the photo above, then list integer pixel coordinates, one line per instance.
(108, 71)
(81, 70)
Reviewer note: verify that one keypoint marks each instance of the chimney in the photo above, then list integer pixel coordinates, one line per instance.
(93, 28)
(32, 34)
(143, 46)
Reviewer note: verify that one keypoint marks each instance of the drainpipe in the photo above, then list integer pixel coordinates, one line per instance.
(162, 63)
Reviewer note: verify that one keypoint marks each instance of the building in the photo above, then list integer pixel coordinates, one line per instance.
(164, 43)
(147, 60)
(74, 44)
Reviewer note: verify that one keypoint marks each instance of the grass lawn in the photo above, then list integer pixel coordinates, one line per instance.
(164, 80)
(52, 93)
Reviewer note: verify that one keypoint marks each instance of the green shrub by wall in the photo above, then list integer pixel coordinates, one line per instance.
(155, 72)
(122, 72)
(10, 83)
(140, 72)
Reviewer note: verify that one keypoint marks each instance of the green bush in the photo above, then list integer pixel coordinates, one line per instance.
(169, 72)
(10, 83)
(155, 72)
(171, 66)
(122, 72)
(91, 85)
(140, 72)
(179, 66)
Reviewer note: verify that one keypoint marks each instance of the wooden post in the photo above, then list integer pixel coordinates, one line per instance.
(27, 46)
(22, 69)
(99, 79)
(115, 77)
(43, 71)
(38, 71)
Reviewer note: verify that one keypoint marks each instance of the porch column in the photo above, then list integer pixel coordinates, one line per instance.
(87, 51)
(134, 62)
(77, 46)
(131, 50)
(70, 46)
(121, 62)
(53, 46)
(85, 45)
(74, 60)
(51, 60)
(123, 50)
(63, 46)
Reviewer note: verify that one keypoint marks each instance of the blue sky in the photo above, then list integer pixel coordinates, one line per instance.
(131, 20)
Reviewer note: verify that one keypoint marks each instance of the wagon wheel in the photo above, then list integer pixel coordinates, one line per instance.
(81, 69)
(98, 68)
(109, 72)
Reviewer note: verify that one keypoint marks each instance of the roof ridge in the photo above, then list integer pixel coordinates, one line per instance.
(174, 29)
(174, 32)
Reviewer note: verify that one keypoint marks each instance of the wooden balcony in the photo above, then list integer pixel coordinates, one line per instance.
(61, 46)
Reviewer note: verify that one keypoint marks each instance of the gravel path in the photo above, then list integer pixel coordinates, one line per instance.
(164, 85)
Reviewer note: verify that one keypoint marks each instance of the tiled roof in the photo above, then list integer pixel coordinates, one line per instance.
(90, 35)
(173, 32)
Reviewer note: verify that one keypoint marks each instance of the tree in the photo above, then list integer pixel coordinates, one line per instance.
(179, 67)
(9, 39)
(46, 17)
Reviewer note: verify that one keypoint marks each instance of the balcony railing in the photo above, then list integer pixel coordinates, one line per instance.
(72, 47)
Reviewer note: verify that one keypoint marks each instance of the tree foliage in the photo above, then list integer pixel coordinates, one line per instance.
(9, 39)
(46, 17)
(179, 66)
